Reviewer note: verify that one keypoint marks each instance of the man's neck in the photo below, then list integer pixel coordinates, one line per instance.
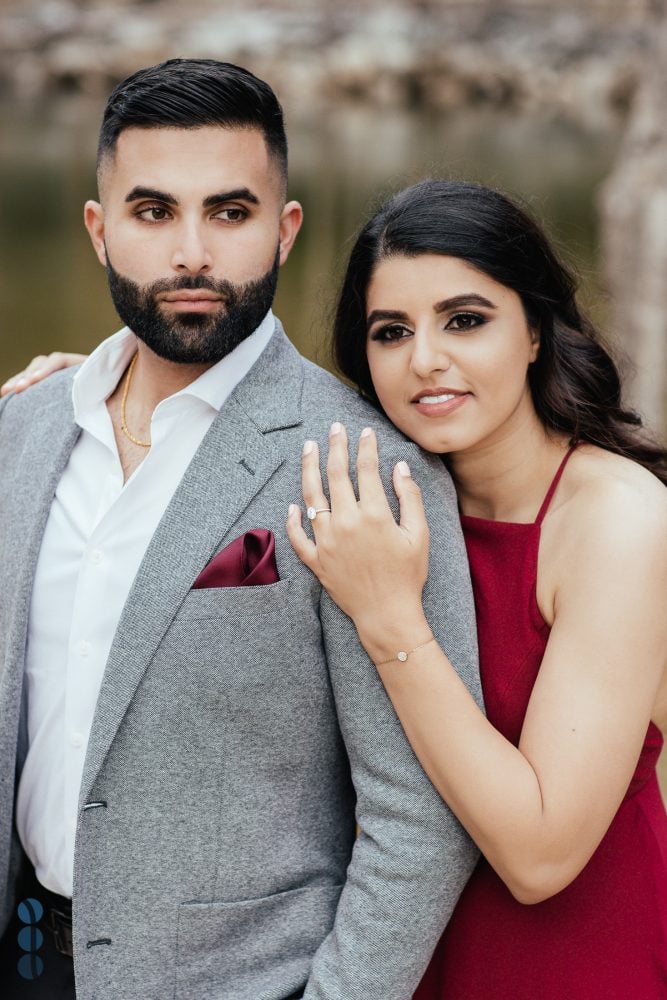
(154, 379)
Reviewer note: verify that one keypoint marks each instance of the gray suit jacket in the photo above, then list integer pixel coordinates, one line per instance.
(236, 728)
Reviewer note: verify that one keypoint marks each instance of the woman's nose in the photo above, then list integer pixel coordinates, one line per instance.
(429, 353)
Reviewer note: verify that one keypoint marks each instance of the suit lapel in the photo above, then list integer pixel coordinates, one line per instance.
(234, 461)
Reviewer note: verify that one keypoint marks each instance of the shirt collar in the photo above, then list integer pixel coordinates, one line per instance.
(100, 373)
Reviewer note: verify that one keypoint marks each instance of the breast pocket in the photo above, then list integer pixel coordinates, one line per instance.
(235, 632)
(239, 609)
(241, 666)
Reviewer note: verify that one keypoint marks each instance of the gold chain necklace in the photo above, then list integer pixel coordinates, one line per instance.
(123, 402)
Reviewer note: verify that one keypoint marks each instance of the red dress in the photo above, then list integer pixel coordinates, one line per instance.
(603, 937)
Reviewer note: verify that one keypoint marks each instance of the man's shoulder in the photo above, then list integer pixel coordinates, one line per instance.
(38, 402)
(331, 392)
(326, 399)
(52, 389)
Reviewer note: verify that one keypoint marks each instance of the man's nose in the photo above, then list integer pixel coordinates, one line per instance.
(429, 353)
(191, 251)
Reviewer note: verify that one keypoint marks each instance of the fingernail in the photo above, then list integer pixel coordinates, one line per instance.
(308, 447)
(21, 381)
(9, 383)
(336, 428)
(366, 432)
(404, 469)
(292, 509)
(37, 373)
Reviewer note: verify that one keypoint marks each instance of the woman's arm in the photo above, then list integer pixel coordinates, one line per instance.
(537, 811)
(39, 368)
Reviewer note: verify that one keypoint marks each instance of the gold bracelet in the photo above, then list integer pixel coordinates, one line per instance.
(403, 654)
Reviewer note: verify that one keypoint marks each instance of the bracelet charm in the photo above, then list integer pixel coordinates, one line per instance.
(403, 654)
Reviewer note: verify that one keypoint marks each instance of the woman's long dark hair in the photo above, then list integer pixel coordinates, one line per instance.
(575, 384)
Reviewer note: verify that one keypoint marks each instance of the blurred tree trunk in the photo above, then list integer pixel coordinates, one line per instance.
(634, 233)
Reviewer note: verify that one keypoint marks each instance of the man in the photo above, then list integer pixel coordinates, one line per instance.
(180, 757)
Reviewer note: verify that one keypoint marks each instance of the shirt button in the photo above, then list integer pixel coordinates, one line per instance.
(83, 648)
(96, 557)
(76, 739)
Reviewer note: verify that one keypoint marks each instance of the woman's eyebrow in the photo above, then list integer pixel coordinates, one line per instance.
(466, 299)
(455, 302)
(392, 314)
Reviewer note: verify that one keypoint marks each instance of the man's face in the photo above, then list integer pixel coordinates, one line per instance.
(192, 228)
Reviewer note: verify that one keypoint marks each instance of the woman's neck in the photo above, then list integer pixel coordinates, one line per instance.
(505, 480)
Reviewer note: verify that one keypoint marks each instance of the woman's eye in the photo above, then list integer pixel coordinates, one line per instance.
(391, 333)
(153, 213)
(465, 321)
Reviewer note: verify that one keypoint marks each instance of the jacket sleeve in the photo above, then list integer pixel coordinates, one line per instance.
(412, 858)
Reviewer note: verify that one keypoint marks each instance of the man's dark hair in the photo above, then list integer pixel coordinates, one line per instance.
(192, 93)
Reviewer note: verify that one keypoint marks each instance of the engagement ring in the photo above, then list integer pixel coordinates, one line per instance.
(312, 512)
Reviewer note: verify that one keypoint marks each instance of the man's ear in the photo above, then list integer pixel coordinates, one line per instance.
(291, 218)
(93, 217)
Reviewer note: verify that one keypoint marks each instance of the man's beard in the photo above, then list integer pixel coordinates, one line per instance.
(193, 338)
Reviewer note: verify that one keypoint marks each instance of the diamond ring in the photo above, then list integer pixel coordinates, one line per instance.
(312, 512)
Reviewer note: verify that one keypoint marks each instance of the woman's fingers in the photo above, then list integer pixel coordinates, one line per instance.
(301, 543)
(342, 493)
(413, 518)
(371, 491)
(20, 381)
(311, 481)
(38, 369)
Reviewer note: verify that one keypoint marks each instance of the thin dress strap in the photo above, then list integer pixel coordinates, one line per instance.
(554, 483)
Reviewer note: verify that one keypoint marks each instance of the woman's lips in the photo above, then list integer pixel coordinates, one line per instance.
(438, 403)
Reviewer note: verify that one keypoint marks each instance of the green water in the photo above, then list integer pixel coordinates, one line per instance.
(52, 289)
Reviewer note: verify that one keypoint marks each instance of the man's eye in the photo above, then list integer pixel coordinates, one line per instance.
(465, 321)
(393, 332)
(231, 214)
(153, 213)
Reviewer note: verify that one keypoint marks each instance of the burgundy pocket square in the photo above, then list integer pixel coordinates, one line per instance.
(248, 561)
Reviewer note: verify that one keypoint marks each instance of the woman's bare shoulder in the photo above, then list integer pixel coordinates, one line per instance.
(609, 496)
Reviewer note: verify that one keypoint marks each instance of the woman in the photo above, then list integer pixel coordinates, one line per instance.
(457, 319)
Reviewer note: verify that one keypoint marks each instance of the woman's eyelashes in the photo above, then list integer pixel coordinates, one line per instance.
(463, 321)
(459, 322)
(391, 332)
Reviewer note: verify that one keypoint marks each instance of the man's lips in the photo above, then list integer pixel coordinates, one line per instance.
(192, 301)
(437, 401)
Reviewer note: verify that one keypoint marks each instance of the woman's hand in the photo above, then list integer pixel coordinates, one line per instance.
(373, 568)
(39, 368)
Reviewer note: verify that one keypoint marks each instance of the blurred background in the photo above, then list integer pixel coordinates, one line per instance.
(559, 105)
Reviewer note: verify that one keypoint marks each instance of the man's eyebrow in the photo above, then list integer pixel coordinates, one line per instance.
(466, 299)
(140, 192)
(237, 194)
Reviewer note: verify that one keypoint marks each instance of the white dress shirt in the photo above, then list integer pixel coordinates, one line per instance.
(95, 539)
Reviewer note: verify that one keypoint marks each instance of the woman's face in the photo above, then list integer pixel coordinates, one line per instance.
(448, 349)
